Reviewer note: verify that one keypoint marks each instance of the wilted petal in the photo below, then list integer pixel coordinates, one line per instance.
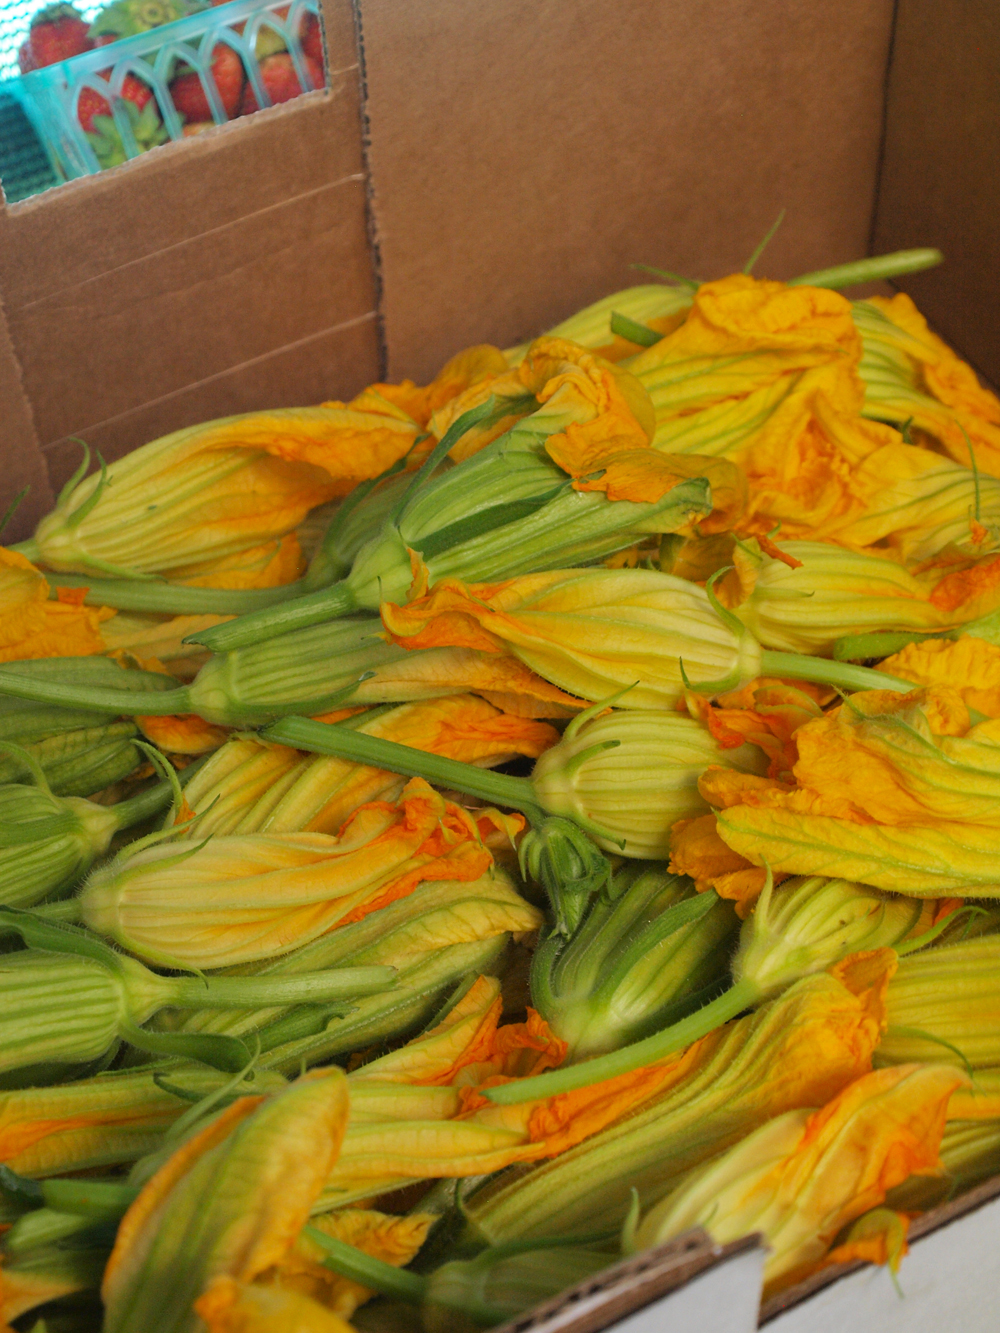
(228, 1306)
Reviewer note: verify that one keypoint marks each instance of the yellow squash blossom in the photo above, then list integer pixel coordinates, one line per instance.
(32, 626)
(912, 375)
(590, 632)
(877, 1237)
(898, 791)
(269, 565)
(100, 1121)
(159, 638)
(230, 1202)
(814, 593)
(743, 337)
(797, 1050)
(409, 1108)
(253, 787)
(213, 490)
(228, 1306)
(803, 1176)
(557, 385)
(972, 666)
(235, 899)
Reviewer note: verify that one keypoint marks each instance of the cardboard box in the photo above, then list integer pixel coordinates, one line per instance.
(475, 172)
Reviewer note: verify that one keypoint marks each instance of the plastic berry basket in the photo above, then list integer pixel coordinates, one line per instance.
(50, 96)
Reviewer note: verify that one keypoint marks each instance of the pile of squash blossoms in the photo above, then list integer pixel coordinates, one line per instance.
(458, 837)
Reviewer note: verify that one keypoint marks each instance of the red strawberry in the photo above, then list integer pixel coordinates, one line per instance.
(312, 39)
(25, 57)
(280, 80)
(57, 32)
(189, 95)
(92, 104)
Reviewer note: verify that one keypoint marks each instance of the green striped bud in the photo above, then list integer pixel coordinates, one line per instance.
(648, 952)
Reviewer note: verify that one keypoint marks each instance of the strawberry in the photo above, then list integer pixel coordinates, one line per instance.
(189, 95)
(57, 32)
(311, 37)
(92, 104)
(280, 81)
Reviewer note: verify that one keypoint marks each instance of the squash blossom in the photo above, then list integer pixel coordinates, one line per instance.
(797, 1050)
(310, 671)
(814, 593)
(553, 512)
(648, 951)
(101, 1121)
(69, 999)
(32, 626)
(628, 776)
(229, 1203)
(249, 787)
(214, 490)
(968, 1155)
(803, 1176)
(898, 792)
(911, 375)
(595, 632)
(741, 350)
(228, 1306)
(943, 1006)
(968, 664)
(237, 899)
(435, 938)
(801, 927)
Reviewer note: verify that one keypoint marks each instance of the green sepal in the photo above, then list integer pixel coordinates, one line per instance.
(561, 857)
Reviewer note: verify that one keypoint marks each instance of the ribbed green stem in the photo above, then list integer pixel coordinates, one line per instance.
(143, 805)
(374, 1273)
(172, 598)
(741, 995)
(297, 613)
(89, 1198)
(154, 703)
(875, 269)
(344, 743)
(263, 991)
(822, 671)
(68, 909)
(29, 549)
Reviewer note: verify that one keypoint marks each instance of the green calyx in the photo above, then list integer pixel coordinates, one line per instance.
(561, 857)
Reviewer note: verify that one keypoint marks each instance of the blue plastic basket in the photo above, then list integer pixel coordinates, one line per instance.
(50, 96)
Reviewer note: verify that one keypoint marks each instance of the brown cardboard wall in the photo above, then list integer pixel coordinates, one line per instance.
(213, 276)
(22, 461)
(524, 152)
(940, 182)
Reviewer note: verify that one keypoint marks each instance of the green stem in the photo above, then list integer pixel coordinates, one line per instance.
(172, 598)
(332, 738)
(29, 549)
(741, 995)
(370, 1272)
(297, 613)
(89, 1198)
(141, 806)
(154, 703)
(822, 671)
(261, 992)
(875, 269)
(68, 909)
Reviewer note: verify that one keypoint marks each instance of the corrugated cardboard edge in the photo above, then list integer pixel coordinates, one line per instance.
(21, 455)
(933, 1220)
(603, 1300)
